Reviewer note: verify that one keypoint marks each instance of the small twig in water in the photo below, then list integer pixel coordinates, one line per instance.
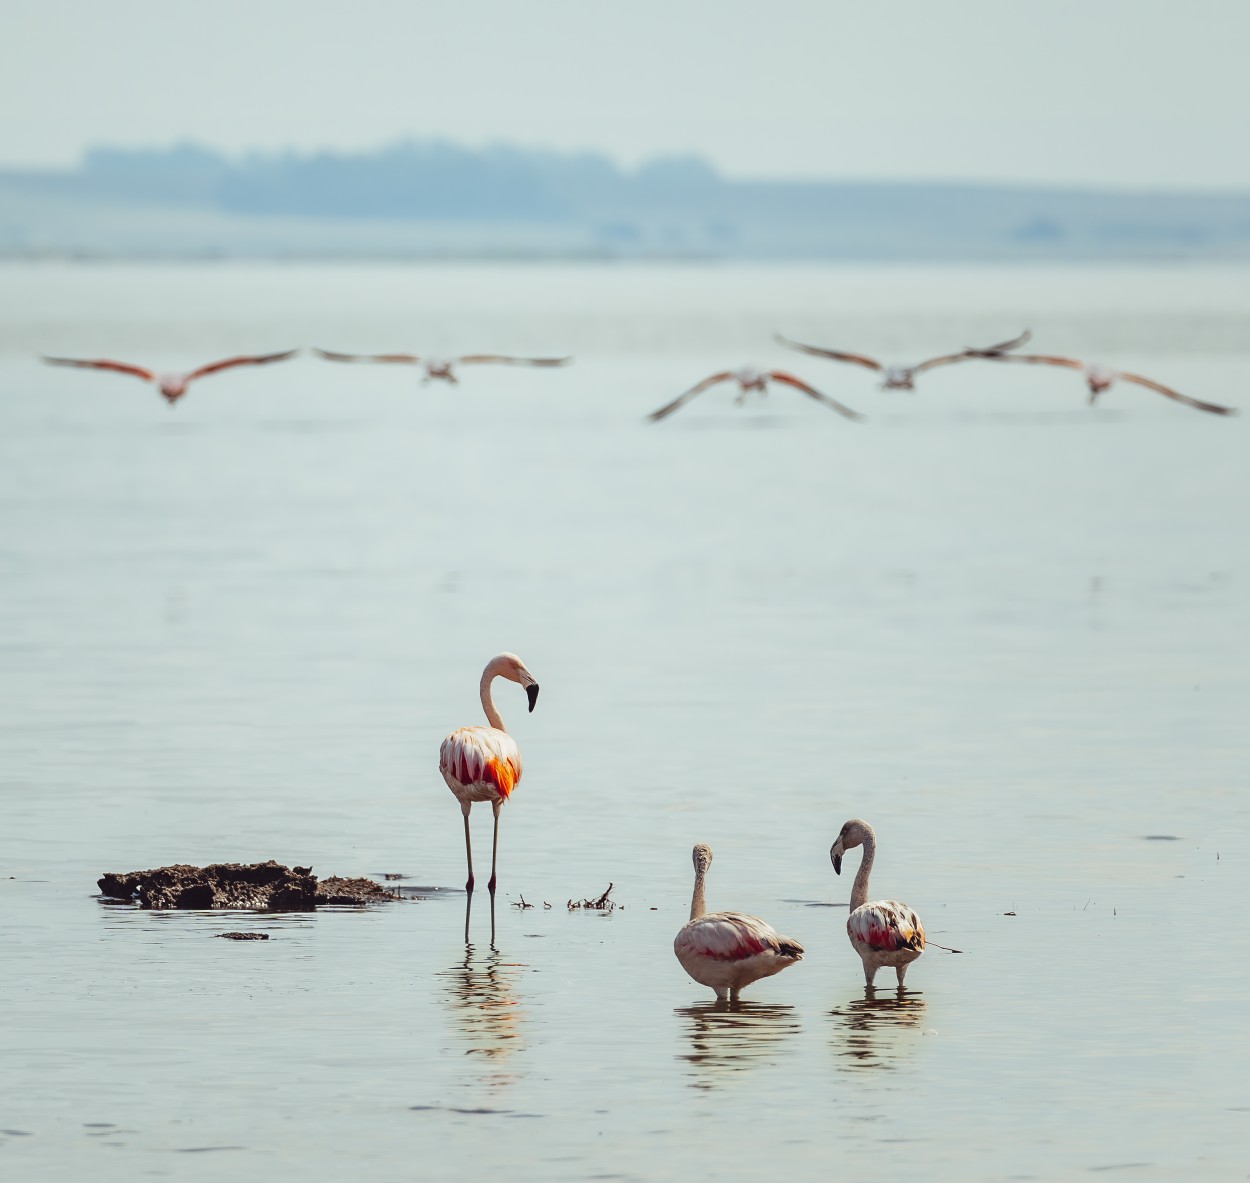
(602, 904)
(522, 903)
(946, 947)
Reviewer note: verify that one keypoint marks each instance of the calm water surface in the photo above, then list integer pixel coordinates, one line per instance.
(1008, 630)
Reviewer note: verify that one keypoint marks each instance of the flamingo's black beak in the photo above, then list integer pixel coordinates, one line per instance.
(531, 692)
(836, 855)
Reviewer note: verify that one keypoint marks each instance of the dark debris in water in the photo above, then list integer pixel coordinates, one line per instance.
(601, 904)
(479, 1112)
(266, 887)
(243, 936)
(1151, 838)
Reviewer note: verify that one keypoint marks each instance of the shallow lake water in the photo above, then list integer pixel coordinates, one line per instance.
(1009, 630)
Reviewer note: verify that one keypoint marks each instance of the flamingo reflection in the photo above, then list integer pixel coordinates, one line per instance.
(731, 1037)
(876, 1031)
(481, 993)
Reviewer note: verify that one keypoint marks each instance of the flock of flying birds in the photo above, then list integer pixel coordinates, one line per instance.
(724, 950)
(1098, 378)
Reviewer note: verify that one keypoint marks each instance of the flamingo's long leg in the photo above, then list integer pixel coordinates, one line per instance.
(468, 848)
(494, 853)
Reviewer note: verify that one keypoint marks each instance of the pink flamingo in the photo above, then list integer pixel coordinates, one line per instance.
(727, 950)
(1101, 378)
(883, 932)
(172, 386)
(750, 379)
(440, 367)
(483, 763)
(904, 377)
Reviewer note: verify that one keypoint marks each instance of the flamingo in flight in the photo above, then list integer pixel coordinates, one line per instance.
(442, 367)
(904, 377)
(749, 379)
(883, 932)
(483, 763)
(172, 386)
(1100, 378)
(727, 950)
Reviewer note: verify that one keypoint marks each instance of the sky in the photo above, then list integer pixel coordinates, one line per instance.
(1112, 93)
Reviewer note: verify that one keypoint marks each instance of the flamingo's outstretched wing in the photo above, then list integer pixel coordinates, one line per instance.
(988, 351)
(404, 358)
(858, 359)
(474, 358)
(791, 380)
(247, 359)
(1167, 392)
(1035, 359)
(682, 399)
(119, 367)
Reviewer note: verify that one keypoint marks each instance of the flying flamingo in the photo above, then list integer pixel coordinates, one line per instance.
(483, 763)
(441, 367)
(884, 932)
(904, 377)
(172, 386)
(1099, 378)
(727, 950)
(749, 379)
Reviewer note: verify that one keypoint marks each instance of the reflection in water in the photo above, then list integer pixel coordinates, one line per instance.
(468, 913)
(481, 991)
(730, 1037)
(873, 1031)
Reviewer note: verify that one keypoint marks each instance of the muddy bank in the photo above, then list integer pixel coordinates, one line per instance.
(263, 887)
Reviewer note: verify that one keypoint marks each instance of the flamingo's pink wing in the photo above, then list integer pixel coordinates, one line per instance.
(886, 926)
(968, 354)
(1168, 392)
(811, 392)
(252, 359)
(481, 755)
(858, 359)
(119, 367)
(402, 358)
(499, 358)
(682, 399)
(728, 936)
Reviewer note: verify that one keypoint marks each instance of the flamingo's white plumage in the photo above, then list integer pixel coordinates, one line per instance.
(171, 386)
(883, 932)
(442, 367)
(750, 379)
(727, 950)
(904, 377)
(484, 763)
(1100, 378)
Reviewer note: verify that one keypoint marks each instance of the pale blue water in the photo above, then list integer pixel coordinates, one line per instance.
(1008, 630)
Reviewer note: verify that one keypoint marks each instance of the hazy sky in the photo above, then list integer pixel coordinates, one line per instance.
(1112, 92)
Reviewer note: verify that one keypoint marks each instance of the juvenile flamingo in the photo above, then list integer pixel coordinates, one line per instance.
(441, 367)
(749, 379)
(727, 950)
(172, 386)
(483, 763)
(904, 377)
(883, 932)
(1100, 378)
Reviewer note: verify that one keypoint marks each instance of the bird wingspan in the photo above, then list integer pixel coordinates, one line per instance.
(404, 358)
(482, 755)
(790, 380)
(475, 358)
(858, 359)
(119, 367)
(248, 359)
(1168, 392)
(681, 399)
(886, 926)
(1032, 359)
(987, 351)
(731, 936)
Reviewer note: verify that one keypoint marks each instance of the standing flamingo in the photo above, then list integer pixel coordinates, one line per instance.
(1100, 378)
(904, 377)
(443, 367)
(884, 932)
(749, 379)
(727, 950)
(483, 763)
(172, 386)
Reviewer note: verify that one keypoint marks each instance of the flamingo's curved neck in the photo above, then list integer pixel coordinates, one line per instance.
(859, 892)
(488, 703)
(697, 905)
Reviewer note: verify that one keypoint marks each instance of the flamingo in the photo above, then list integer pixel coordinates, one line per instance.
(904, 377)
(172, 386)
(1100, 378)
(883, 932)
(750, 379)
(483, 763)
(441, 367)
(727, 950)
